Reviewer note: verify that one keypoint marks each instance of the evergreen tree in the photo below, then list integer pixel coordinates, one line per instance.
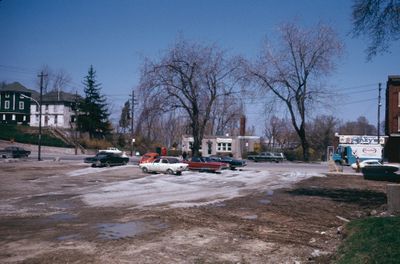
(125, 118)
(93, 117)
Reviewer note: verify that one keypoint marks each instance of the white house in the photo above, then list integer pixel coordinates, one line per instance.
(58, 110)
(222, 145)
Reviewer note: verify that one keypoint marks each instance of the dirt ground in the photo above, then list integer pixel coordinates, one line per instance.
(44, 219)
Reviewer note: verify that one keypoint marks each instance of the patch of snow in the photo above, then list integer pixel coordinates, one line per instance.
(189, 189)
(90, 170)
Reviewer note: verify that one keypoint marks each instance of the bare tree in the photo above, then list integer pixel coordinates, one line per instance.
(277, 132)
(60, 80)
(322, 130)
(293, 72)
(189, 77)
(378, 20)
(54, 81)
(225, 116)
(359, 127)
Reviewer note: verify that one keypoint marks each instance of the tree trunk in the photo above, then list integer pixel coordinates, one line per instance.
(304, 144)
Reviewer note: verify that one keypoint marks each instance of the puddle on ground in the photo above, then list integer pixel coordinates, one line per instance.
(220, 204)
(61, 217)
(250, 217)
(128, 229)
(269, 192)
(264, 201)
(69, 237)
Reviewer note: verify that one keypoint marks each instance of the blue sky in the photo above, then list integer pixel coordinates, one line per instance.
(115, 36)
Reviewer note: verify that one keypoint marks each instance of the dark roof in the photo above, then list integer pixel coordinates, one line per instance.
(55, 96)
(17, 87)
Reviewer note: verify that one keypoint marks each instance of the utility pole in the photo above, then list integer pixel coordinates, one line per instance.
(379, 117)
(76, 123)
(132, 115)
(41, 75)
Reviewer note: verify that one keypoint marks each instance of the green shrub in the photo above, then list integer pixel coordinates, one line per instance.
(371, 240)
(29, 135)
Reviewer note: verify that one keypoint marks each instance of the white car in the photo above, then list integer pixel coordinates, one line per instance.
(168, 165)
(366, 163)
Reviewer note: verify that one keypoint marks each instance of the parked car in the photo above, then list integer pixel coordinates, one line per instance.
(381, 173)
(14, 152)
(267, 156)
(170, 165)
(148, 157)
(364, 163)
(107, 159)
(233, 163)
(206, 164)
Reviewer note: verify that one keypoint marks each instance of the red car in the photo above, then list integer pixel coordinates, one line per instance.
(148, 157)
(205, 164)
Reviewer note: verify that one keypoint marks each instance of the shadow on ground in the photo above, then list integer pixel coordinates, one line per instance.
(364, 198)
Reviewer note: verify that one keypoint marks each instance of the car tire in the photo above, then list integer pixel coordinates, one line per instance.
(145, 170)
(169, 171)
(125, 162)
(178, 173)
(108, 164)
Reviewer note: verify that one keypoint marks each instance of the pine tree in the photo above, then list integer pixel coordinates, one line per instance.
(94, 115)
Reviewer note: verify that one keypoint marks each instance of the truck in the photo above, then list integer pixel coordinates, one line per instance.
(14, 152)
(267, 156)
(351, 147)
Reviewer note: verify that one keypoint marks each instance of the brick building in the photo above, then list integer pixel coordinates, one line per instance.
(392, 119)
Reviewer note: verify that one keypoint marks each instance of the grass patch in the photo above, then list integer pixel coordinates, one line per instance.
(371, 240)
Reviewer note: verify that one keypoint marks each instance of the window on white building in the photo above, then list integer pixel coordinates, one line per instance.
(55, 119)
(21, 105)
(37, 108)
(224, 147)
(6, 104)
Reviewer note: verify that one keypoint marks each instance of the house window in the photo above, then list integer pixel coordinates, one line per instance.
(398, 123)
(46, 107)
(6, 104)
(37, 108)
(55, 119)
(398, 99)
(24, 118)
(13, 117)
(7, 95)
(224, 147)
(21, 106)
(4, 117)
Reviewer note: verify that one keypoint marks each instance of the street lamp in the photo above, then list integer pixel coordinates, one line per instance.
(40, 124)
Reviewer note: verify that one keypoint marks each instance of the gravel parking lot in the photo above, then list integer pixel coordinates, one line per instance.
(68, 212)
